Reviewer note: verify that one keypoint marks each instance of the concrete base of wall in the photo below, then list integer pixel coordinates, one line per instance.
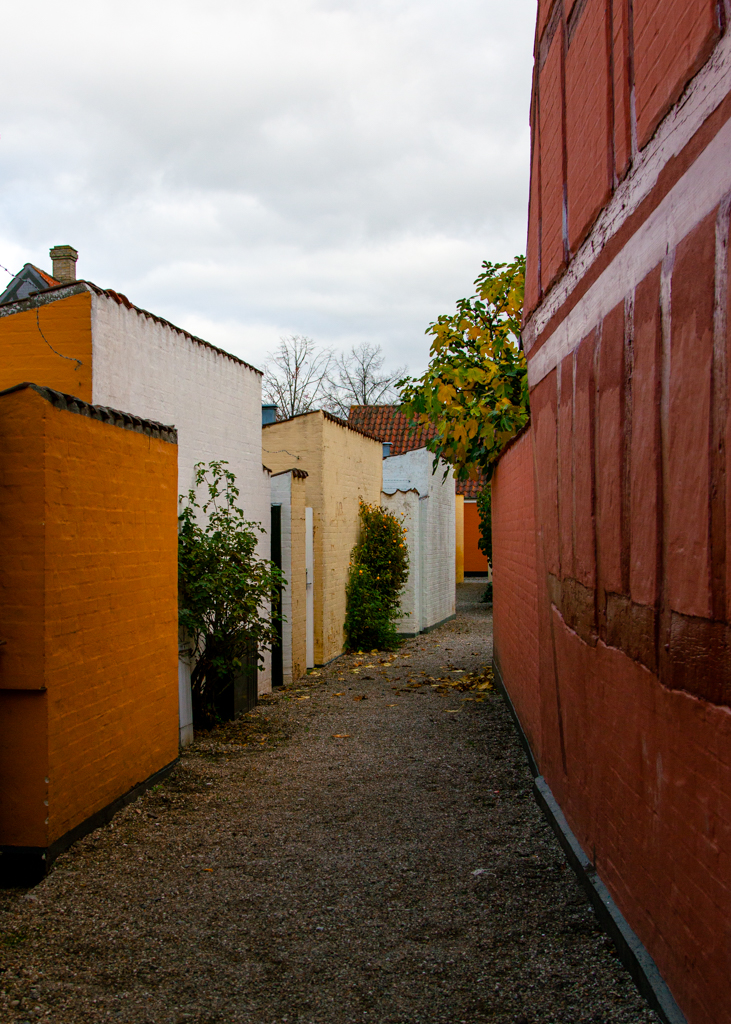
(631, 951)
(427, 629)
(25, 866)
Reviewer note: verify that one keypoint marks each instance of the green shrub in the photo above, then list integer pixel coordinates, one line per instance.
(379, 569)
(224, 587)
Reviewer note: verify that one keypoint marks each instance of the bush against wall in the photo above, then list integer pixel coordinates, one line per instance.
(225, 589)
(379, 569)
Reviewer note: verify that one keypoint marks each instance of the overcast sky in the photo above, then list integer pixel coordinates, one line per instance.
(255, 168)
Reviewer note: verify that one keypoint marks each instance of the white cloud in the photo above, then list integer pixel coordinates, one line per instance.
(259, 167)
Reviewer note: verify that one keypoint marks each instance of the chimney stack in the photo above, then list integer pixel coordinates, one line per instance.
(269, 414)
(387, 449)
(64, 263)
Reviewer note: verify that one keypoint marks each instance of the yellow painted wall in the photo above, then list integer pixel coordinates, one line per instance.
(459, 536)
(106, 499)
(342, 466)
(25, 356)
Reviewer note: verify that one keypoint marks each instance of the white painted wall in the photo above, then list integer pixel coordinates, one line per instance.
(426, 500)
(214, 400)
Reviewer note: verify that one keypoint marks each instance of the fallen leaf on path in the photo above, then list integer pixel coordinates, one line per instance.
(303, 698)
(341, 736)
(451, 711)
(392, 705)
(361, 696)
(342, 694)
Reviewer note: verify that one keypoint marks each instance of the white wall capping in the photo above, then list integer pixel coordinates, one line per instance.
(702, 96)
(694, 196)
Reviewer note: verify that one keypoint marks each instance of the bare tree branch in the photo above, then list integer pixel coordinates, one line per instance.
(358, 378)
(296, 376)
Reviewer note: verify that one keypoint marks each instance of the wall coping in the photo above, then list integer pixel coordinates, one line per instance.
(64, 291)
(114, 417)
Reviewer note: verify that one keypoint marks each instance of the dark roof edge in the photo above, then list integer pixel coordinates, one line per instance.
(62, 291)
(298, 474)
(114, 417)
(328, 416)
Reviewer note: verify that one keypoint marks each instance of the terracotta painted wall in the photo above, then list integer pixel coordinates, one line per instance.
(92, 565)
(628, 344)
(28, 340)
(515, 584)
(474, 560)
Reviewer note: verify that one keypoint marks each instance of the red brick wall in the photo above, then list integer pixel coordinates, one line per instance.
(625, 694)
(515, 595)
(605, 74)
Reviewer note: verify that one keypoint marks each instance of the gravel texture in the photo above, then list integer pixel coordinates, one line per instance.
(362, 847)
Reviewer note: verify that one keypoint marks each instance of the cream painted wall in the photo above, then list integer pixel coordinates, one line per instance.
(342, 466)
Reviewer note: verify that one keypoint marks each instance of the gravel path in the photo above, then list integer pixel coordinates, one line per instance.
(363, 847)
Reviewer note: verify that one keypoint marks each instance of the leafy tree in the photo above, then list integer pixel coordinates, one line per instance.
(484, 511)
(358, 378)
(296, 376)
(475, 389)
(224, 586)
(379, 569)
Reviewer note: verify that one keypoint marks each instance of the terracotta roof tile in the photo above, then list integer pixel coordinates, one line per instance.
(388, 423)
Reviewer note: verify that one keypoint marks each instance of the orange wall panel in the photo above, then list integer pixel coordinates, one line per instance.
(25, 356)
(111, 607)
(474, 560)
(107, 648)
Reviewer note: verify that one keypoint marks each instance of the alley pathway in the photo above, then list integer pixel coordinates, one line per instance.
(363, 847)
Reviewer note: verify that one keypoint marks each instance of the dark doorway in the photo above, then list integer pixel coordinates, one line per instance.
(276, 556)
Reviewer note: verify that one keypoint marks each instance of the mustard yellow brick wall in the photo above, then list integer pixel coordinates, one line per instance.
(353, 469)
(342, 466)
(298, 581)
(109, 716)
(25, 356)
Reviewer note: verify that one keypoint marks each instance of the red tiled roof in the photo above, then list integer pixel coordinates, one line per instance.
(470, 488)
(51, 281)
(388, 423)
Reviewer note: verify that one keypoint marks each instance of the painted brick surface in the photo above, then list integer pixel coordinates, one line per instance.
(106, 501)
(342, 466)
(435, 530)
(630, 709)
(588, 130)
(515, 595)
(671, 42)
(288, 490)
(551, 129)
(26, 337)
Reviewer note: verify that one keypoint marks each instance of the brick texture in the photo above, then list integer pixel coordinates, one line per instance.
(671, 43)
(342, 465)
(105, 500)
(26, 339)
(515, 611)
(589, 177)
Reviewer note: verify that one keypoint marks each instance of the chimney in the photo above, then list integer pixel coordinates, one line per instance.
(64, 263)
(386, 449)
(269, 414)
